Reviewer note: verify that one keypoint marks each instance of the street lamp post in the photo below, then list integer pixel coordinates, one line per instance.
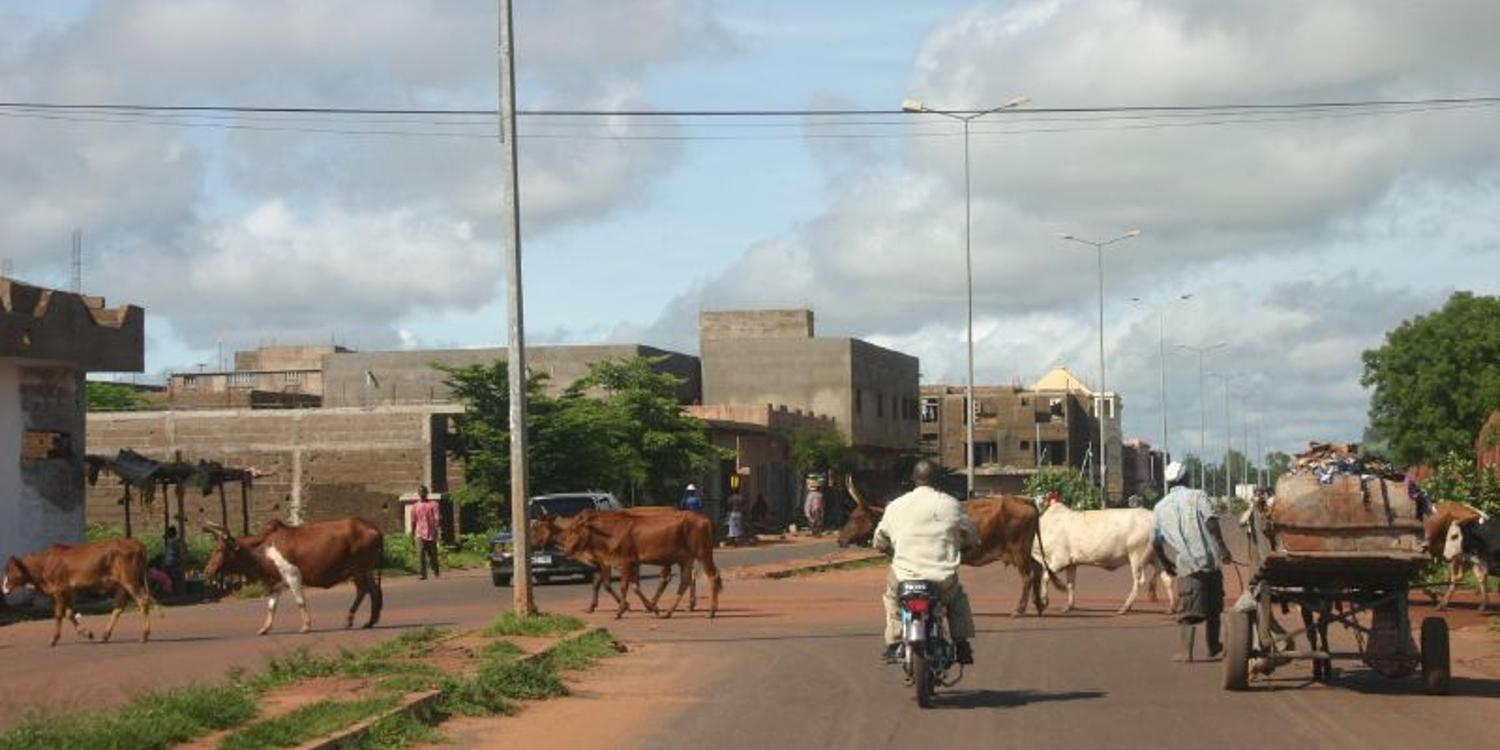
(917, 107)
(1228, 434)
(1161, 350)
(1103, 386)
(1202, 411)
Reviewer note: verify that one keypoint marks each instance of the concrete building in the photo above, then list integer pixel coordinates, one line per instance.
(48, 341)
(756, 438)
(759, 357)
(1018, 429)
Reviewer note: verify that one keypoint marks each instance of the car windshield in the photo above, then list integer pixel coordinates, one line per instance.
(566, 505)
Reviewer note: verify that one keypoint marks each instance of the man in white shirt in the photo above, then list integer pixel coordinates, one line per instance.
(928, 531)
(1185, 522)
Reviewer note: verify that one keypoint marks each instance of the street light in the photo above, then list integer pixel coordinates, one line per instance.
(1202, 409)
(915, 106)
(1161, 350)
(1103, 387)
(1228, 432)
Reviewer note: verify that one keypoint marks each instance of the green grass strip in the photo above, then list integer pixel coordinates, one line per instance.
(313, 720)
(580, 652)
(150, 722)
(537, 625)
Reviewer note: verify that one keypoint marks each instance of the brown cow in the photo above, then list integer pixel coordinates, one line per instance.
(1007, 528)
(626, 541)
(544, 534)
(323, 554)
(1448, 516)
(61, 571)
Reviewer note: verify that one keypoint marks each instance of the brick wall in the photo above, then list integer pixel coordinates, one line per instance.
(322, 463)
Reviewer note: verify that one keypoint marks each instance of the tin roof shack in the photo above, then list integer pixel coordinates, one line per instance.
(48, 341)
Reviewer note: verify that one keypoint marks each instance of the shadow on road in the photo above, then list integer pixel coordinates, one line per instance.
(970, 699)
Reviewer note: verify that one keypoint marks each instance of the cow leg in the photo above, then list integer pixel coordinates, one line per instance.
(377, 597)
(628, 575)
(142, 597)
(690, 574)
(1070, 576)
(62, 607)
(360, 584)
(297, 594)
(661, 587)
(1170, 585)
(1135, 589)
(292, 577)
(650, 604)
(1482, 575)
(1455, 569)
(271, 598)
(682, 588)
(114, 615)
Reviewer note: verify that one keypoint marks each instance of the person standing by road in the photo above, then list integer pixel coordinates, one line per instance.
(812, 507)
(691, 500)
(1185, 521)
(426, 519)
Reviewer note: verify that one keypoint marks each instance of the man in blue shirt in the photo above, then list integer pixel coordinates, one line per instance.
(1185, 521)
(691, 500)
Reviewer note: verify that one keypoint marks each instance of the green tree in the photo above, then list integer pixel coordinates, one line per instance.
(659, 446)
(104, 396)
(1277, 464)
(1436, 379)
(821, 449)
(1455, 478)
(1074, 491)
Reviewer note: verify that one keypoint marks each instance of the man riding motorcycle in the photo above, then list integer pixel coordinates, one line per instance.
(927, 530)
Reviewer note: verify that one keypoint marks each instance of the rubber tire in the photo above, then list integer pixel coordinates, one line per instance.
(921, 674)
(1436, 671)
(500, 579)
(1237, 652)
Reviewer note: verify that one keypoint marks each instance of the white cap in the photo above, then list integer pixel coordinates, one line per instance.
(1175, 470)
(692, 487)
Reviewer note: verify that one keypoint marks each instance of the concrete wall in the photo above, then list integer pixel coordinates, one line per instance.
(870, 392)
(284, 357)
(749, 324)
(324, 463)
(41, 457)
(402, 377)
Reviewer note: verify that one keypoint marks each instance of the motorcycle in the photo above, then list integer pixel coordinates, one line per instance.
(925, 653)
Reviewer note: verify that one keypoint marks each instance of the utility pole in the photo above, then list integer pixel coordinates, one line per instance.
(77, 286)
(520, 526)
(1202, 413)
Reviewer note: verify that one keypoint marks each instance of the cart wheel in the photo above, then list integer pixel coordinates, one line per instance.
(1237, 652)
(1435, 671)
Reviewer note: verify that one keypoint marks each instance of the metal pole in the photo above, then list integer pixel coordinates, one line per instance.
(1202, 430)
(969, 287)
(1228, 445)
(1103, 387)
(516, 364)
(1161, 348)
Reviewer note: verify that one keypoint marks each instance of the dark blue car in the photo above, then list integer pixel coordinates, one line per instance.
(547, 563)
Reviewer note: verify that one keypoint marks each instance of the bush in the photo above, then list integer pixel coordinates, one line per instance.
(401, 553)
(1073, 490)
(1457, 479)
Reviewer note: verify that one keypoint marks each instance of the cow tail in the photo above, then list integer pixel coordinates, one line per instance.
(1042, 550)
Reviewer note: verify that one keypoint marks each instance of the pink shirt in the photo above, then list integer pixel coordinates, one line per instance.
(425, 520)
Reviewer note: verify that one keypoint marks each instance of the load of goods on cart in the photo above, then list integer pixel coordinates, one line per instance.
(1340, 542)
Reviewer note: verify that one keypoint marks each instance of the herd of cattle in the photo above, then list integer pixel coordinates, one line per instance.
(1051, 543)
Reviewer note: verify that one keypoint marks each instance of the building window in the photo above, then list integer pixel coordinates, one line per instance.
(1055, 408)
(859, 401)
(190, 382)
(879, 404)
(291, 378)
(929, 410)
(985, 453)
(241, 380)
(1025, 445)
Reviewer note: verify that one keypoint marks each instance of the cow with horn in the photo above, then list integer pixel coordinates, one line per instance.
(323, 554)
(1007, 527)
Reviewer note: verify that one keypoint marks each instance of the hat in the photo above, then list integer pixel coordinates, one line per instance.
(1175, 471)
(692, 487)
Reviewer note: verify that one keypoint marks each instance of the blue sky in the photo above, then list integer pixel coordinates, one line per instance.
(1302, 239)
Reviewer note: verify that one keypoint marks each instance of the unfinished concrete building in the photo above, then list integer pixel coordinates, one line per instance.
(49, 340)
(759, 357)
(1017, 430)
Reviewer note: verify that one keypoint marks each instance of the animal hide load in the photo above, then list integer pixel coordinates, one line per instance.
(1338, 500)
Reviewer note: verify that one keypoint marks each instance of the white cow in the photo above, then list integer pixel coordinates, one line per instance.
(1103, 539)
(1457, 558)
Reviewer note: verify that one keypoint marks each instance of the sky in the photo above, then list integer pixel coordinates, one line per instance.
(1301, 238)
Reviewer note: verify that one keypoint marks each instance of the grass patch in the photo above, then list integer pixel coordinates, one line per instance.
(502, 650)
(580, 652)
(859, 564)
(305, 723)
(537, 625)
(520, 680)
(252, 590)
(152, 721)
(394, 733)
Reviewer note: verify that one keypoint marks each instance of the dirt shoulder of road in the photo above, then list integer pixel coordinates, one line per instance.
(839, 559)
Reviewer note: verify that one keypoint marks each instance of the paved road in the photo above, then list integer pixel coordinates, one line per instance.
(793, 664)
(203, 642)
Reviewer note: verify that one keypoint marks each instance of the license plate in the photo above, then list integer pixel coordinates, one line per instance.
(541, 559)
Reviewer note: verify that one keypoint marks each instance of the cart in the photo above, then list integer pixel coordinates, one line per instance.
(1343, 553)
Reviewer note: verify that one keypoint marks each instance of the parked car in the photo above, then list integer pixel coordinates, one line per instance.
(547, 563)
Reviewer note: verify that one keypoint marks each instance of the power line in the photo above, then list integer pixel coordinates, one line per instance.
(1241, 107)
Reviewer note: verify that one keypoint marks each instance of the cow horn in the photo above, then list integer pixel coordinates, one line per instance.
(859, 499)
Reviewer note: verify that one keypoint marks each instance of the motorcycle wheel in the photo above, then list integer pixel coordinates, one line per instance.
(921, 674)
